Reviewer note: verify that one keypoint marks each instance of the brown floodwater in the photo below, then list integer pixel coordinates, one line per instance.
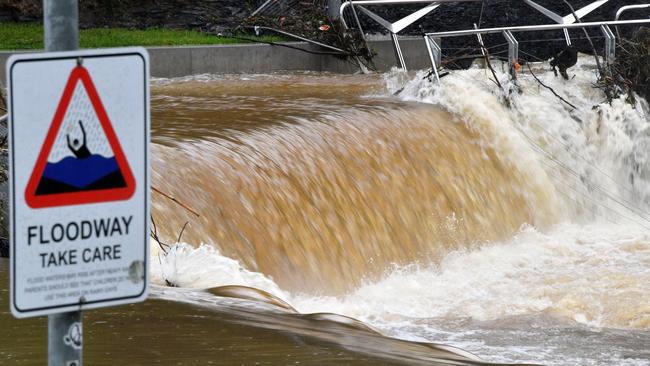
(305, 153)
(318, 219)
(312, 182)
(159, 332)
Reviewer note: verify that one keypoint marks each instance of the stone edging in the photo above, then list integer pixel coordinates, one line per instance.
(263, 58)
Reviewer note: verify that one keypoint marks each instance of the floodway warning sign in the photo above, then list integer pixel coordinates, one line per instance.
(81, 161)
(79, 179)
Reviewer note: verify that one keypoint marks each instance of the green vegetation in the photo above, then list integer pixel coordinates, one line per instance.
(29, 36)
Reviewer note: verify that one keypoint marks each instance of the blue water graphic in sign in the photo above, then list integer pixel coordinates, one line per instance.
(82, 172)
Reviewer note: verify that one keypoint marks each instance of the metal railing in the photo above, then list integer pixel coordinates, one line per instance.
(626, 8)
(568, 19)
(280, 7)
(395, 27)
(398, 26)
(435, 53)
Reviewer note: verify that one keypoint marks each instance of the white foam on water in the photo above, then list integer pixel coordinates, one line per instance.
(203, 267)
(589, 278)
(593, 267)
(597, 154)
(591, 270)
(598, 275)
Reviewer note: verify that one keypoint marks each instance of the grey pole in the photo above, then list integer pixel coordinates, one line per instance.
(61, 25)
(64, 339)
(333, 7)
(61, 33)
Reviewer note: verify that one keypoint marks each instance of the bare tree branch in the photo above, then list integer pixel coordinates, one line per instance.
(549, 88)
(180, 235)
(494, 74)
(175, 201)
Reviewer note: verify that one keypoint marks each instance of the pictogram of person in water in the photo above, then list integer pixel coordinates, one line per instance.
(80, 150)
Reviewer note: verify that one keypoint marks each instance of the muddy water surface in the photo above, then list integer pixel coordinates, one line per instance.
(329, 222)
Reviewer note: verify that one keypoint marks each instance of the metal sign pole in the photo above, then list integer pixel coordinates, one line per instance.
(64, 339)
(61, 33)
(61, 25)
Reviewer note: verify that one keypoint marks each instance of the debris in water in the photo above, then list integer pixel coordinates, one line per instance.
(564, 60)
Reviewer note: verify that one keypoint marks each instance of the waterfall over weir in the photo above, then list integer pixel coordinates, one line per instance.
(432, 214)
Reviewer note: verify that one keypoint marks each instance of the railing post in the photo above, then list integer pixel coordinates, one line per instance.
(480, 40)
(356, 18)
(567, 37)
(610, 43)
(261, 8)
(398, 51)
(434, 55)
(513, 52)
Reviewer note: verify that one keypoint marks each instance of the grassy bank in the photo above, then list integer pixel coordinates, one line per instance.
(29, 36)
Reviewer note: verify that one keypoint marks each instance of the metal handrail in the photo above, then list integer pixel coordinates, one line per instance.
(390, 2)
(623, 9)
(569, 19)
(257, 28)
(269, 4)
(398, 26)
(513, 52)
(261, 7)
(630, 7)
(529, 28)
(351, 3)
(565, 23)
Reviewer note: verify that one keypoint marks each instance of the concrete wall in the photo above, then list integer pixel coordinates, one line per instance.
(261, 58)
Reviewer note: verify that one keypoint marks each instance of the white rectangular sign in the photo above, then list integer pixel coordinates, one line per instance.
(79, 179)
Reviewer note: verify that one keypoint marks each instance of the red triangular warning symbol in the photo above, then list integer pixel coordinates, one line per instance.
(81, 160)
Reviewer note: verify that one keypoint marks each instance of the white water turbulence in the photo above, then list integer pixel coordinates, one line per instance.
(598, 154)
(204, 267)
(574, 293)
(588, 273)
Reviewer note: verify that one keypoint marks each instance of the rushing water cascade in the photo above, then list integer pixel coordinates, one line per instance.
(321, 205)
(437, 214)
